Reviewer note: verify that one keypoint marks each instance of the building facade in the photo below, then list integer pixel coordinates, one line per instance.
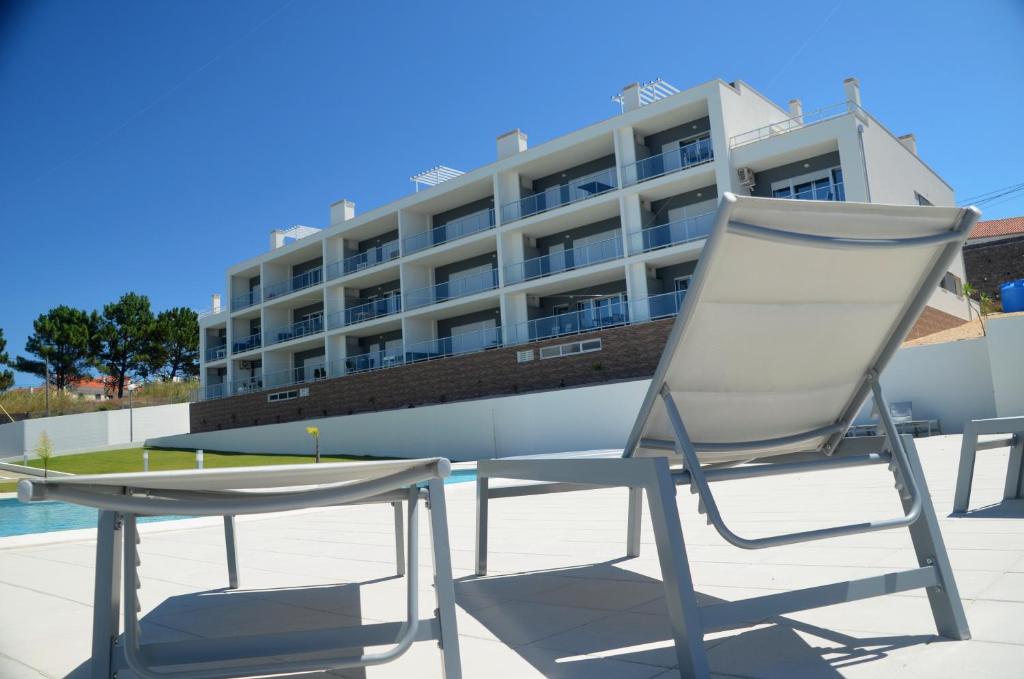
(994, 254)
(546, 247)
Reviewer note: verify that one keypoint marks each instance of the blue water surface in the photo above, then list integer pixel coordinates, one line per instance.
(18, 518)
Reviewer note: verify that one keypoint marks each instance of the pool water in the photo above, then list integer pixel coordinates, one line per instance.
(18, 518)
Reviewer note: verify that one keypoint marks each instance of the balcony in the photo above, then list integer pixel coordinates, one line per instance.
(611, 314)
(454, 345)
(210, 392)
(292, 376)
(825, 188)
(364, 260)
(303, 328)
(453, 230)
(304, 280)
(254, 341)
(217, 353)
(673, 233)
(690, 154)
(377, 308)
(565, 194)
(246, 299)
(565, 260)
(453, 288)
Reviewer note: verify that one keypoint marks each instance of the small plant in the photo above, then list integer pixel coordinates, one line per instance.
(44, 451)
(315, 433)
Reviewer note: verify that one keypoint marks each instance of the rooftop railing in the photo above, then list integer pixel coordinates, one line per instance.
(565, 260)
(367, 311)
(453, 288)
(674, 233)
(793, 123)
(364, 260)
(690, 154)
(453, 230)
(216, 353)
(246, 299)
(253, 341)
(303, 328)
(302, 281)
(212, 311)
(565, 194)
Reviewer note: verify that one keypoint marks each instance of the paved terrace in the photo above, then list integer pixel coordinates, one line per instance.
(560, 603)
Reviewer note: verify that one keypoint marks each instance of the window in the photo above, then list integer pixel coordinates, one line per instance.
(282, 396)
(571, 348)
(952, 283)
(921, 200)
(682, 284)
(824, 185)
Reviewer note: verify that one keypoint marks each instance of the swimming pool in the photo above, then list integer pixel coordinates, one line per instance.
(18, 518)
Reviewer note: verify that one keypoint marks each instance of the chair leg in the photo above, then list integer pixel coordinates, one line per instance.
(481, 526)
(965, 474)
(1015, 470)
(680, 599)
(106, 595)
(944, 598)
(399, 539)
(633, 521)
(444, 588)
(231, 544)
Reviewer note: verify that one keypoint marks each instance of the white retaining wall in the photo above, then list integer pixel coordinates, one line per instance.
(951, 382)
(93, 431)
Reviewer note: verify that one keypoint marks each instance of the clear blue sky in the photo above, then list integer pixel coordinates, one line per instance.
(148, 146)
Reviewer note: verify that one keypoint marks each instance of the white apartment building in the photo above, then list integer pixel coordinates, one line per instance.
(602, 226)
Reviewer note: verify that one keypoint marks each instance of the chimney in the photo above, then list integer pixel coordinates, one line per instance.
(276, 239)
(910, 142)
(796, 110)
(342, 211)
(852, 88)
(511, 143)
(215, 302)
(630, 97)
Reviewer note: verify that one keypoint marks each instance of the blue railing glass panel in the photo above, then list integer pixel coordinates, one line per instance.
(673, 233)
(565, 260)
(453, 288)
(364, 260)
(304, 280)
(574, 191)
(453, 230)
(690, 154)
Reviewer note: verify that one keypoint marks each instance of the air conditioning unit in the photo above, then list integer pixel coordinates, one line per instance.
(746, 176)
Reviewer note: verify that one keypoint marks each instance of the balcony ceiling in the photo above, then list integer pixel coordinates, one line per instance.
(672, 118)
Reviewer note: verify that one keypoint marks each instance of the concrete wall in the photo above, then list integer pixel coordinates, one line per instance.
(1006, 353)
(91, 431)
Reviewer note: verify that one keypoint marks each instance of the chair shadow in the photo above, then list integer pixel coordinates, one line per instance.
(225, 613)
(777, 642)
(1004, 509)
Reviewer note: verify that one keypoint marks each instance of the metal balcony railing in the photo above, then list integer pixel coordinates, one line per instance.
(217, 353)
(565, 260)
(565, 194)
(790, 124)
(372, 360)
(364, 260)
(454, 345)
(690, 154)
(246, 299)
(293, 376)
(453, 230)
(254, 341)
(304, 280)
(453, 288)
(303, 328)
(674, 233)
(367, 311)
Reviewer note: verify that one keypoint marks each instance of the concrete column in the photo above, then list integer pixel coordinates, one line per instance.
(506, 190)
(276, 239)
(335, 353)
(415, 330)
(411, 223)
(514, 314)
(511, 250)
(215, 301)
(625, 153)
(852, 88)
(725, 178)
(636, 291)
(630, 97)
(342, 211)
(851, 154)
(631, 215)
(511, 143)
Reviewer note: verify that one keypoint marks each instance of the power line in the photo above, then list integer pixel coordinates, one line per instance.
(989, 197)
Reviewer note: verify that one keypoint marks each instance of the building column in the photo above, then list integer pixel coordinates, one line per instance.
(631, 216)
(625, 151)
(637, 292)
(514, 313)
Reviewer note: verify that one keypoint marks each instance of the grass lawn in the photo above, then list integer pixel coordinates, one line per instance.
(130, 460)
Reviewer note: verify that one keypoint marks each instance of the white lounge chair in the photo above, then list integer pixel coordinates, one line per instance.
(254, 490)
(795, 309)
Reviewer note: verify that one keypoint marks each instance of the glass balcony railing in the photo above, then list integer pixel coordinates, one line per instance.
(659, 306)
(210, 392)
(820, 189)
(453, 288)
(292, 376)
(367, 311)
(565, 260)
(614, 312)
(462, 343)
(690, 154)
(254, 341)
(364, 260)
(453, 230)
(216, 353)
(303, 328)
(565, 194)
(673, 233)
(373, 360)
(304, 280)
(246, 299)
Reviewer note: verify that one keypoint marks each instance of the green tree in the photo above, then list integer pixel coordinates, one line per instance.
(6, 376)
(175, 350)
(44, 451)
(125, 334)
(64, 336)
